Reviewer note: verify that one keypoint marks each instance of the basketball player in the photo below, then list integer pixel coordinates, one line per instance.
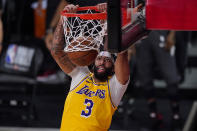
(93, 97)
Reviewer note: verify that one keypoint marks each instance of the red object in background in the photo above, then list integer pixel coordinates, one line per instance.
(126, 16)
(125, 12)
(39, 22)
(171, 14)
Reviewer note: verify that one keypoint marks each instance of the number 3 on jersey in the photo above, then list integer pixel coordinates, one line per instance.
(87, 112)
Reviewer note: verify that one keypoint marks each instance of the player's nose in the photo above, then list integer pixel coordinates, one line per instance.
(101, 61)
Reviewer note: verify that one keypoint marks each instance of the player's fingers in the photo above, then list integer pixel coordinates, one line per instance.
(77, 6)
(66, 8)
(74, 8)
(71, 8)
(140, 6)
(102, 7)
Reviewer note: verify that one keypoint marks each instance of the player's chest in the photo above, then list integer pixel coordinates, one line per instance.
(92, 90)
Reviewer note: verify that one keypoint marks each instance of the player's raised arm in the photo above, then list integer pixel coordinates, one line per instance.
(122, 70)
(57, 50)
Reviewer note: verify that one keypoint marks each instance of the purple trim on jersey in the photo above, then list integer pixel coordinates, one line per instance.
(110, 95)
(96, 83)
(79, 83)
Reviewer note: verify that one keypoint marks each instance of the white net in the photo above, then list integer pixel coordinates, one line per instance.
(83, 35)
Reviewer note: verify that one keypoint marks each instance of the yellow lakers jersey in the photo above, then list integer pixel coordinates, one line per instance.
(88, 107)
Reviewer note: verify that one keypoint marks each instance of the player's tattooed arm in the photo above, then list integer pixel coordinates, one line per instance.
(57, 50)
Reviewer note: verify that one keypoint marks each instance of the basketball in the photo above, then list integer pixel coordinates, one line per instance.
(82, 58)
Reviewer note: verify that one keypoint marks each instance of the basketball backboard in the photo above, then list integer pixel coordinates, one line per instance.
(171, 15)
(123, 29)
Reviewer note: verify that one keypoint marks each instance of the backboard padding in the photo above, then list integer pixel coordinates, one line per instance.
(122, 31)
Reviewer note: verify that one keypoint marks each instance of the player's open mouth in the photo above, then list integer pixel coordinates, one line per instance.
(101, 69)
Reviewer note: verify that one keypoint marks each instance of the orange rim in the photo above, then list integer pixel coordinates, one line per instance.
(94, 16)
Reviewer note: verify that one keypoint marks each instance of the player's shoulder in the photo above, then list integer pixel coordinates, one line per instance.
(114, 81)
(79, 70)
(112, 78)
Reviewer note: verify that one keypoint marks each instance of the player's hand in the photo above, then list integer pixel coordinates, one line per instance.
(71, 8)
(138, 8)
(102, 7)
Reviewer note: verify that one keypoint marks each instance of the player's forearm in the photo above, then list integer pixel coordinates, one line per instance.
(58, 40)
(64, 63)
(57, 50)
(122, 67)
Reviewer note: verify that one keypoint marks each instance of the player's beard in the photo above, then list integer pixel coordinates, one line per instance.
(104, 75)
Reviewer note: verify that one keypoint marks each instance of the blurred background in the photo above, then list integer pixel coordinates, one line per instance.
(33, 88)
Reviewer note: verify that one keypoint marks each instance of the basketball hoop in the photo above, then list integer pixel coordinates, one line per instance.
(85, 26)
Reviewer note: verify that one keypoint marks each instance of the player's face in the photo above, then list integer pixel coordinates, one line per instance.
(103, 67)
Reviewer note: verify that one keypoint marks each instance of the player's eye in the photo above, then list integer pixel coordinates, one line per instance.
(98, 58)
